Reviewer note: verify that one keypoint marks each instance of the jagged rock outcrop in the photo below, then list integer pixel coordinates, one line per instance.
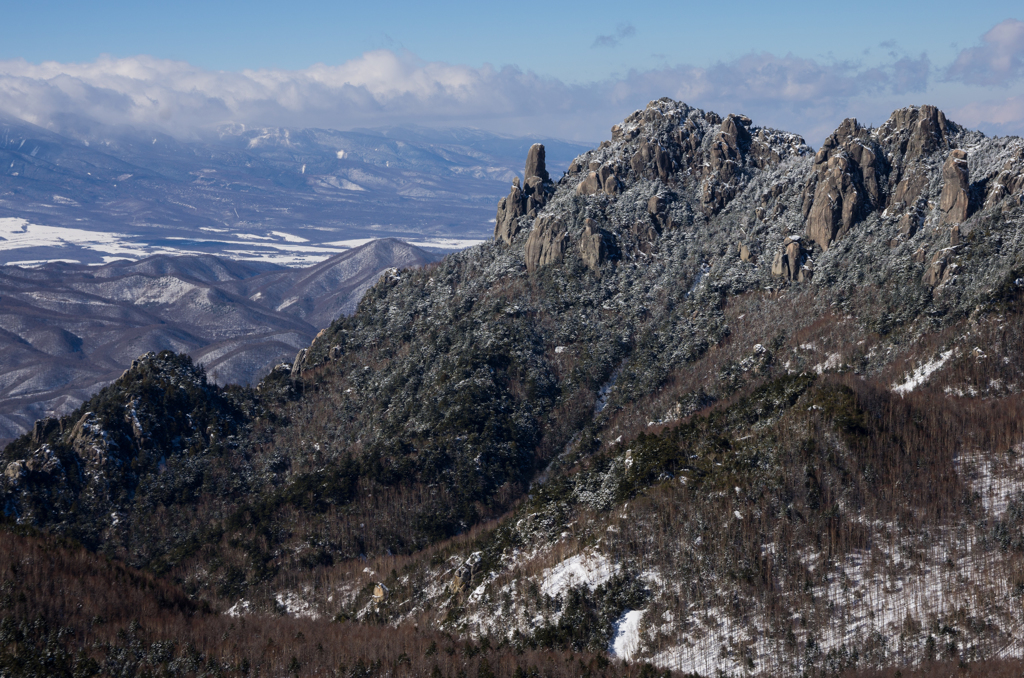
(299, 362)
(791, 261)
(956, 186)
(510, 208)
(725, 162)
(466, 378)
(908, 137)
(537, 187)
(845, 183)
(936, 270)
(915, 131)
(675, 165)
(911, 221)
(600, 178)
(546, 243)
(524, 200)
(651, 160)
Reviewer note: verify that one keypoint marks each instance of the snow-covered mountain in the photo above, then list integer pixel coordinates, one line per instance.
(710, 402)
(66, 330)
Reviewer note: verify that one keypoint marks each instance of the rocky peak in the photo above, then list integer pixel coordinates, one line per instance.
(916, 131)
(845, 183)
(525, 200)
(670, 166)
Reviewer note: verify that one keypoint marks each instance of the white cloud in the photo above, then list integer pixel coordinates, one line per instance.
(998, 61)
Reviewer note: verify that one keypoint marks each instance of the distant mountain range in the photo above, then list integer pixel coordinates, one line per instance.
(292, 196)
(68, 329)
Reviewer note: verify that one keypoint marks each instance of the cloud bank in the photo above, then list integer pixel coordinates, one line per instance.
(998, 61)
(386, 87)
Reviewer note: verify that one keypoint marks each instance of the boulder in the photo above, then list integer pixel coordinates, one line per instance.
(609, 182)
(642, 158)
(955, 199)
(535, 163)
(546, 243)
(590, 185)
(662, 163)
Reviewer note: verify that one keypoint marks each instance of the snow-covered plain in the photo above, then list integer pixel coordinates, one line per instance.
(278, 247)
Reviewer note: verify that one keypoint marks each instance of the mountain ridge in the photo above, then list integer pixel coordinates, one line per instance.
(70, 329)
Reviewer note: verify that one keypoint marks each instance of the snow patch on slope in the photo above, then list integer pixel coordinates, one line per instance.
(921, 374)
(585, 569)
(626, 638)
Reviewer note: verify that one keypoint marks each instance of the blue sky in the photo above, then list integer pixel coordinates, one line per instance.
(555, 68)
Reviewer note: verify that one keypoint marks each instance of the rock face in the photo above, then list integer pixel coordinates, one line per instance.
(858, 171)
(914, 132)
(844, 185)
(909, 137)
(935, 273)
(725, 163)
(1009, 181)
(956, 187)
(546, 243)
